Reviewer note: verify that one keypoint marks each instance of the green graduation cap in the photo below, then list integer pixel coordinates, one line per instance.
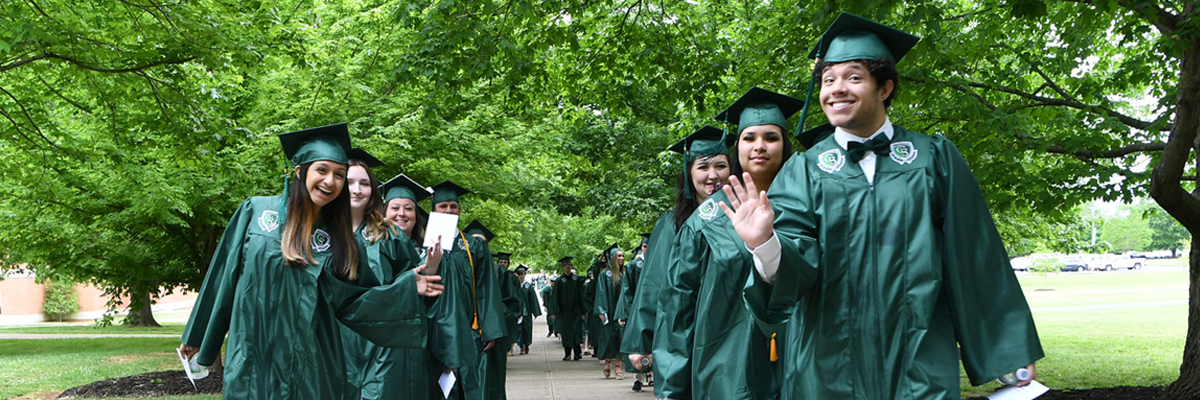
(476, 227)
(612, 249)
(328, 143)
(362, 155)
(565, 260)
(760, 106)
(447, 191)
(645, 238)
(520, 268)
(501, 256)
(852, 37)
(403, 187)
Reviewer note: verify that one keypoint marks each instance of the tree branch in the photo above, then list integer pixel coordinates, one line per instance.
(1114, 153)
(1049, 101)
(91, 67)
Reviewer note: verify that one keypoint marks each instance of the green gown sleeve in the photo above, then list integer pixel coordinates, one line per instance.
(604, 291)
(991, 318)
(551, 304)
(639, 329)
(209, 322)
(391, 315)
(674, 339)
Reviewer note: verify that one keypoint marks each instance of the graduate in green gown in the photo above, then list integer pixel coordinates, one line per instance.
(706, 167)
(496, 358)
(723, 352)
(548, 304)
(608, 297)
(567, 309)
(530, 308)
(382, 372)
(468, 317)
(280, 282)
(591, 327)
(404, 373)
(877, 249)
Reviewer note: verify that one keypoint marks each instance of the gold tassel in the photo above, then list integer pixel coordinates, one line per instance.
(774, 350)
(475, 322)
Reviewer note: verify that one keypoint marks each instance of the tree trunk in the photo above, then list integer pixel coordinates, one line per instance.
(1188, 385)
(141, 314)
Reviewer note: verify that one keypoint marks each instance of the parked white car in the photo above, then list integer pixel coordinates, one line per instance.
(1115, 263)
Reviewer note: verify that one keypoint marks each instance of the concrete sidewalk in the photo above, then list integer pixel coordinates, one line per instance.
(542, 374)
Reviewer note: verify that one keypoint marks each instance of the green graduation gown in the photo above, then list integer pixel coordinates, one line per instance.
(497, 357)
(568, 309)
(607, 337)
(282, 321)
(471, 287)
(888, 281)
(530, 309)
(639, 336)
(639, 327)
(548, 299)
(714, 349)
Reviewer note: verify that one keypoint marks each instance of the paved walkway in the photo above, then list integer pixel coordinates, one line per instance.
(542, 374)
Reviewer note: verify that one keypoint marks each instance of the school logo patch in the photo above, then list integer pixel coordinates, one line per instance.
(368, 235)
(320, 241)
(268, 221)
(709, 209)
(903, 152)
(831, 161)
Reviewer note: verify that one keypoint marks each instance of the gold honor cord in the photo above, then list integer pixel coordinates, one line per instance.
(474, 295)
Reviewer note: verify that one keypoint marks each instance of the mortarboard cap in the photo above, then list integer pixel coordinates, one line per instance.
(502, 256)
(362, 155)
(476, 227)
(612, 249)
(328, 143)
(403, 187)
(852, 37)
(564, 260)
(520, 268)
(706, 141)
(645, 238)
(760, 106)
(447, 191)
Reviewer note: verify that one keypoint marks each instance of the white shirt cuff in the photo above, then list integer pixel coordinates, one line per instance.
(766, 258)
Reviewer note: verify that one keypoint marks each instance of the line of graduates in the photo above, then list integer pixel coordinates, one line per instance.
(866, 267)
(329, 292)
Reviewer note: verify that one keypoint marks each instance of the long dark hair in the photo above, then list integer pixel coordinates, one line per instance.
(298, 228)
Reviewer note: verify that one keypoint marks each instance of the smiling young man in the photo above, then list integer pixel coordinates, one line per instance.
(876, 248)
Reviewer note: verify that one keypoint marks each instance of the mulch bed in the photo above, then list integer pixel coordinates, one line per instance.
(174, 382)
(162, 383)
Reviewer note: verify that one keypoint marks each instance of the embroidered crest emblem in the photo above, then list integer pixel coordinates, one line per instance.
(368, 235)
(320, 241)
(709, 209)
(461, 244)
(903, 152)
(269, 220)
(831, 161)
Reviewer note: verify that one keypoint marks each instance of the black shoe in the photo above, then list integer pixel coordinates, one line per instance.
(578, 357)
(637, 386)
(548, 334)
(566, 358)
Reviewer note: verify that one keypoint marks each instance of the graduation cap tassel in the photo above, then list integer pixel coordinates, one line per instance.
(774, 349)
(812, 83)
(687, 173)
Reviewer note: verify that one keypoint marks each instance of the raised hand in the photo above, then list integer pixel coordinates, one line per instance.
(751, 212)
(434, 259)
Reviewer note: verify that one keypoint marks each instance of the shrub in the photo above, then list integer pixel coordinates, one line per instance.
(61, 299)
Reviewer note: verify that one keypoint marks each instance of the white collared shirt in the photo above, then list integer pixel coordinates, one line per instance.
(767, 256)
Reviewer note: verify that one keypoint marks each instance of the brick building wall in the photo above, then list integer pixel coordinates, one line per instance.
(21, 300)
